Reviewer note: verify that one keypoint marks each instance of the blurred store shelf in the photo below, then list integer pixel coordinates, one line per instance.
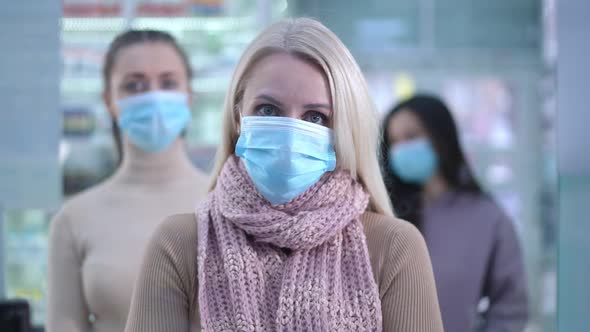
(189, 23)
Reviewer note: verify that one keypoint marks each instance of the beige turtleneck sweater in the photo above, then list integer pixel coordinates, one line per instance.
(97, 240)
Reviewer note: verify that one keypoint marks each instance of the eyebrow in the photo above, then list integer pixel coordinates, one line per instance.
(278, 103)
(270, 99)
(141, 75)
(319, 105)
(134, 75)
(168, 73)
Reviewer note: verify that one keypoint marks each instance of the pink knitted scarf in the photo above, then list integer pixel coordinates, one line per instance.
(299, 266)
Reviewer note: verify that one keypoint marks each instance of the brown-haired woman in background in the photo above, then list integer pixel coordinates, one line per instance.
(472, 243)
(98, 238)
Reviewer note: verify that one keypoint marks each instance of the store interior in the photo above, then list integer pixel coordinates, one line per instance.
(494, 63)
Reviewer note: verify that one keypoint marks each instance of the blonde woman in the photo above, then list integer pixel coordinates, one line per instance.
(297, 233)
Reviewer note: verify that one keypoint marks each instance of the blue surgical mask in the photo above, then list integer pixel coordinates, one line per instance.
(284, 156)
(414, 161)
(154, 120)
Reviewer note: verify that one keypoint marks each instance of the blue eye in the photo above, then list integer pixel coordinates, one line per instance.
(316, 117)
(169, 84)
(267, 110)
(133, 87)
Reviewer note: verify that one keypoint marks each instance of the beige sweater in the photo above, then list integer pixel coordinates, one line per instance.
(165, 296)
(98, 238)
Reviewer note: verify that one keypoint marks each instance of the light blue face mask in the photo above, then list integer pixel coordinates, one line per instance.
(414, 161)
(284, 156)
(153, 120)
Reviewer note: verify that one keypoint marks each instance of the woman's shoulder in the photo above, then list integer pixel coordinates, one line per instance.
(391, 242)
(177, 231)
(486, 207)
(169, 267)
(403, 273)
(383, 229)
(173, 248)
(90, 199)
(475, 200)
(76, 208)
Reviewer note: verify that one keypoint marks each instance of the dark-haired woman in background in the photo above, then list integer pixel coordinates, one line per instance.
(474, 249)
(97, 240)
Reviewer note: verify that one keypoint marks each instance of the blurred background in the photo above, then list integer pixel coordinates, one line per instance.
(493, 62)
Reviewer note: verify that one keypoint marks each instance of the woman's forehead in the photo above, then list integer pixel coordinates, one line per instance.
(286, 76)
(148, 57)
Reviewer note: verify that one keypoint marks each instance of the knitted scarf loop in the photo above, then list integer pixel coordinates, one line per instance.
(299, 266)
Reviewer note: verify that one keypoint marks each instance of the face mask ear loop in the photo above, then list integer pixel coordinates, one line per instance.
(238, 113)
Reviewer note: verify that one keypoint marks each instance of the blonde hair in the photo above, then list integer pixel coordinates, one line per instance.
(355, 118)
